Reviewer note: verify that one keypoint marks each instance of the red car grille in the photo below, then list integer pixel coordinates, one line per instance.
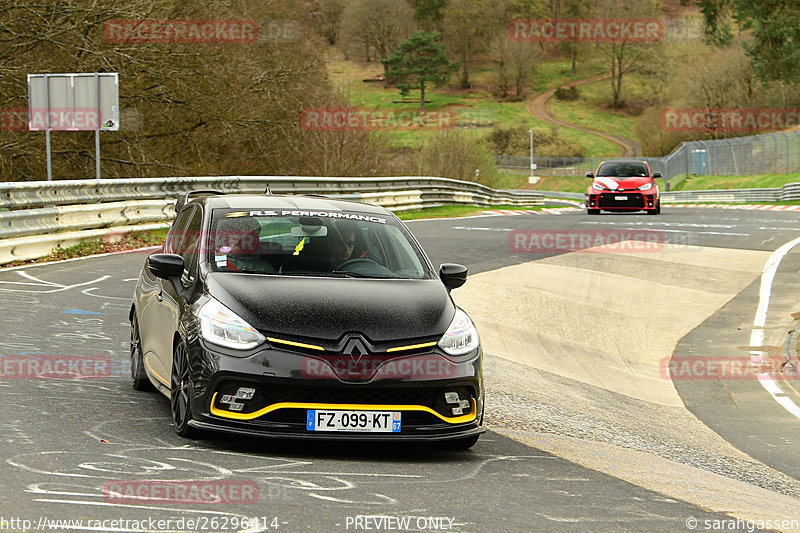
(632, 200)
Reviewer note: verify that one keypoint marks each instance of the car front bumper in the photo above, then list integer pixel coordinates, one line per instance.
(622, 201)
(284, 390)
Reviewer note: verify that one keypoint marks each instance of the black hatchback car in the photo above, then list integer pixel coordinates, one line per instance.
(307, 317)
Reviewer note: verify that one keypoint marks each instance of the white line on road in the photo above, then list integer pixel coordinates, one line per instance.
(476, 228)
(730, 233)
(51, 286)
(667, 224)
(760, 320)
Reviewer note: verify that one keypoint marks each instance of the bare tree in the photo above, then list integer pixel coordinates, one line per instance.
(373, 28)
(328, 16)
(456, 154)
(624, 56)
(516, 62)
(469, 26)
(196, 108)
(574, 9)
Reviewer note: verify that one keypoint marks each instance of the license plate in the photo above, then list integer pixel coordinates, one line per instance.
(620, 198)
(367, 421)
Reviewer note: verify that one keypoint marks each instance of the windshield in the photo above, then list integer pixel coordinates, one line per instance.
(622, 170)
(312, 243)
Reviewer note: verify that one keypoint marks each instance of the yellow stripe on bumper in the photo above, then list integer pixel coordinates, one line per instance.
(411, 347)
(341, 406)
(297, 344)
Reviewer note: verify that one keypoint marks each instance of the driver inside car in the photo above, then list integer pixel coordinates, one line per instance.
(341, 242)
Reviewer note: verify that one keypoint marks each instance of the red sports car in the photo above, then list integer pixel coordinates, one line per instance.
(623, 186)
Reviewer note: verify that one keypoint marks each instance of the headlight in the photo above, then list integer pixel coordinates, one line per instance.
(461, 336)
(598, 187)
(646, 187)
(220, 325)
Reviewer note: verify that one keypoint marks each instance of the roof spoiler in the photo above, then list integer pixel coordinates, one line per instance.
(182, 200)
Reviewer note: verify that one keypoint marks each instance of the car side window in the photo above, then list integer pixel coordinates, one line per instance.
(176, 232)
(189, 245)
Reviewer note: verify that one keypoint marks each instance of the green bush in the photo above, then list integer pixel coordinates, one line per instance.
(569, 94)
(515, 140)
(456, 154)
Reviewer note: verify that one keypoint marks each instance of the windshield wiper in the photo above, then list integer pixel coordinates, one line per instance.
(350, 274)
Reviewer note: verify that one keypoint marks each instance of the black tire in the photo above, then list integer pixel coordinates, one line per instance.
(592, 211)
(657, 210)
(461, 444)
(139, 379)
(180, 387)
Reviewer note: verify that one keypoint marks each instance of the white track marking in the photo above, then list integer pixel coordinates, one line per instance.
(88, 292)
(760, 320)
(51, 286)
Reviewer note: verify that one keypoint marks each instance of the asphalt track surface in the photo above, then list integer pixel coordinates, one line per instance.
(64, 440)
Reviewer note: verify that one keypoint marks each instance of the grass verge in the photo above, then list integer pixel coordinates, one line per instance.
(591, 111)
(447, 211)
(699, 183)
(475, 111)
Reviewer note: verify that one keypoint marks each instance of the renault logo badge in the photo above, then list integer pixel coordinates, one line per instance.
(355, 348)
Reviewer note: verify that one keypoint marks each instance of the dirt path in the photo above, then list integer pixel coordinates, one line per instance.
(539, 109)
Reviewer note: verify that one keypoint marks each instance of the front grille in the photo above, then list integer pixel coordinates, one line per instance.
(632, 200)
(269, 394)
(336, 347)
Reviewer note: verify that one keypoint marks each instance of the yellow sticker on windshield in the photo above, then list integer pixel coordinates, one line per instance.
(299, 246)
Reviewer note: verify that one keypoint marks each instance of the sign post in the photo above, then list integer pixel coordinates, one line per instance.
(73, 102)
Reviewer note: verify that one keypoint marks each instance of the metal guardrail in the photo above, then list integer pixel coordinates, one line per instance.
(39, 213)
(568, 195)
(70, 192)
(789, 192)
(79, 217)
(769, 153)
(731, 195)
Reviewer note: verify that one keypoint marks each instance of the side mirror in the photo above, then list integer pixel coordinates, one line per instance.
(656, 175)
(165, 266)
(452, 275)
(590, 174)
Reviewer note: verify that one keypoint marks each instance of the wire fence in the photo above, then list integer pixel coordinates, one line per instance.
(770, 153)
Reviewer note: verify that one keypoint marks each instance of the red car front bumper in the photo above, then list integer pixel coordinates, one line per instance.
(622, 201)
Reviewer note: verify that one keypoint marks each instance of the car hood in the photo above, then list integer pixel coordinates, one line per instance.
(621, 183)
(326, 308)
